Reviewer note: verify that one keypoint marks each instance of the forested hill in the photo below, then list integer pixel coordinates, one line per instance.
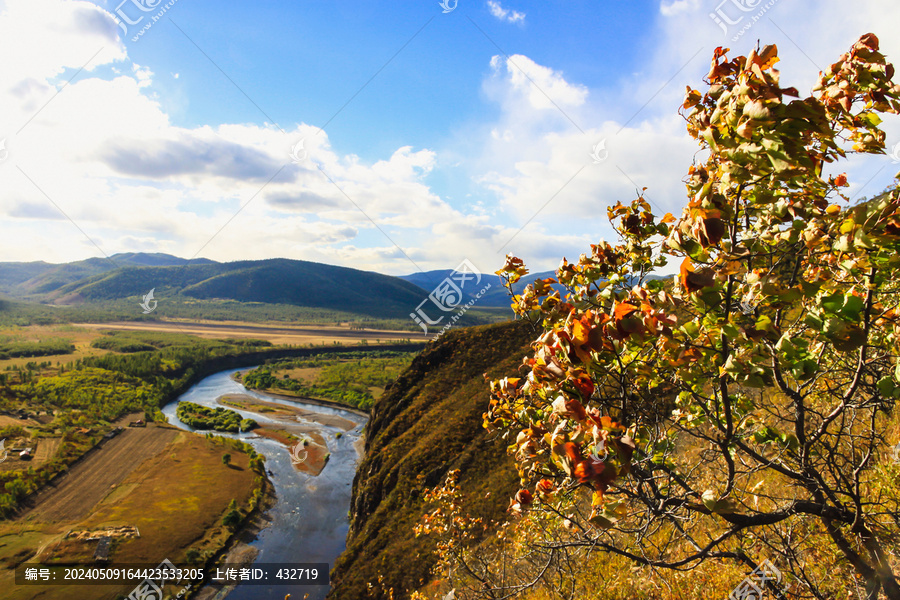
(272, 281)
(427, 423)
(24, 279)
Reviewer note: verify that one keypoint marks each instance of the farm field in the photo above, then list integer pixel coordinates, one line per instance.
(276, 334)
(81, 336)
(173, 493)
(90, 480)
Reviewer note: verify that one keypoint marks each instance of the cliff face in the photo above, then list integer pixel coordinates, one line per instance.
(427, 423)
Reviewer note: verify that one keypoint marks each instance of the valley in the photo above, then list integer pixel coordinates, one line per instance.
(665, 366)
(93, 471)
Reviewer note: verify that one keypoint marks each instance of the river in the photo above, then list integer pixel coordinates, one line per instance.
(309, 521)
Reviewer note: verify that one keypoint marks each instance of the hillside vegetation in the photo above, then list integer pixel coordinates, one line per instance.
(427, 423)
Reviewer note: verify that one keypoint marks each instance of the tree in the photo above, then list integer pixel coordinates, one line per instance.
(232, 518)
(744, 405)
(226, 459)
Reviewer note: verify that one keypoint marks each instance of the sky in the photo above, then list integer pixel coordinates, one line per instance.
(394, 137)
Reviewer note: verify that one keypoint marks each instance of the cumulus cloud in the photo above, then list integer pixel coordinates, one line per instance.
(102, 151)
(107, 154)
(504, 14)
(542, 86)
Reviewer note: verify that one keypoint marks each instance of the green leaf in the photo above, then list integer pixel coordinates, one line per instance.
(691, 329)
(832, 303)
(870, 118)
(764, 323)
(887, 387)
(813, 321)
(792, 295)
(789, 441)
(810, 289)
(853, 306)
(765, 434)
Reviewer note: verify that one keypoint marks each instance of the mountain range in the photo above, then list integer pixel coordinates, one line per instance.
(271, 281)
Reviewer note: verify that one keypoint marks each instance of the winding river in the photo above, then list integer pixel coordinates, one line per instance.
(308, 523)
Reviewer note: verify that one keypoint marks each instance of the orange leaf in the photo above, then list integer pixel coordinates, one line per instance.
(623, 310)
(694, 280)
(588, 470)
(524, 497)
(580, 333)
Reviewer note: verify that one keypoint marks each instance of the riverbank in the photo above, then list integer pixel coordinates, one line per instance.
(238, 550)
(308, 522)
(305, 441)
(285, 395)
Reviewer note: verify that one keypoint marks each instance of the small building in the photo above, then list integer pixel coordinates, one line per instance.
(102, 552)
(113, 433)
(138, 423)
(25, 454)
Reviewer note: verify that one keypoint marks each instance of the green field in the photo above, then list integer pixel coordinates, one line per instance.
(354, 380)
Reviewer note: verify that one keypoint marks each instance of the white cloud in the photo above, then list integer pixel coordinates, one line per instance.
(143, 75)
(542, 86)
(671, 8)
(40, 39)
(510, 16)
(105, 153)
(108, 155)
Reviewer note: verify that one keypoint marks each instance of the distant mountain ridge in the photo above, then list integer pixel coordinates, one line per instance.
(271, 281)
(496, 296)
(23, 279)
(275, 281)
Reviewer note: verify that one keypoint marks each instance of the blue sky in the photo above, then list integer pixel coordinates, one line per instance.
(461, 127)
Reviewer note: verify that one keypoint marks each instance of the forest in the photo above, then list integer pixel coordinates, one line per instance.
(348, 380)
(216, 419)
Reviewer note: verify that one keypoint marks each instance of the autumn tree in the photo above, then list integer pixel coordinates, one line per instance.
(742, 407)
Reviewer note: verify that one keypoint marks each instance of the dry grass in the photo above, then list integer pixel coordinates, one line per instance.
(175, 499)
